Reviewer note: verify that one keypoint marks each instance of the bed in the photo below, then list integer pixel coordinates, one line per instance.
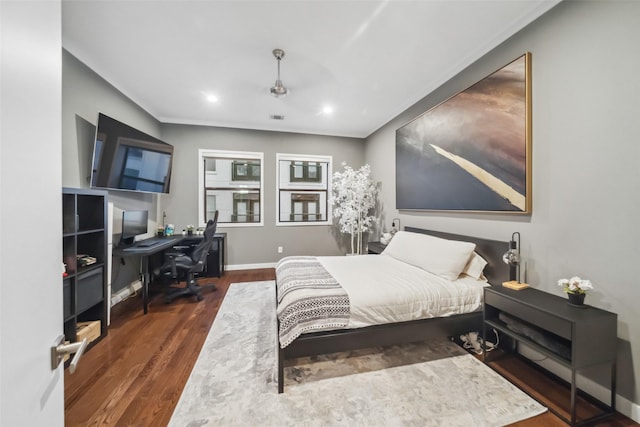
(361, 318)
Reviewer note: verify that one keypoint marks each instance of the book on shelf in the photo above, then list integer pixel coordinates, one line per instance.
(85, 260)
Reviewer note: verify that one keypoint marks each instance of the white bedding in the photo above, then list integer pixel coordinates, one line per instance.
(383, 289)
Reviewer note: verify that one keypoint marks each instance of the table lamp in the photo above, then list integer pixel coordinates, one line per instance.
(513, 260)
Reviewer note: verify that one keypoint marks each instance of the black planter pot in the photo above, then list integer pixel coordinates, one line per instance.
(576, 299)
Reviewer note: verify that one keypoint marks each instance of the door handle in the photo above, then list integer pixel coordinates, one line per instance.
(60, 349)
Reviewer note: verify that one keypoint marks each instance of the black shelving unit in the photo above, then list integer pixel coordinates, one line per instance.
(84, 232)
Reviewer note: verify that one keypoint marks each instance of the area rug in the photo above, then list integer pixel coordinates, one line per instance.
(426, 384)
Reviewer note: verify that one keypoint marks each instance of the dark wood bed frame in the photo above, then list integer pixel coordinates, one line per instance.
(313, 344)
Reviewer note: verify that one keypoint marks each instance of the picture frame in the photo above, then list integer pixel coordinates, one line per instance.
(472, 152)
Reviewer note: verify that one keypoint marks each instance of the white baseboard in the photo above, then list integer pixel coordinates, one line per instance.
(125, 292)
(624, 406)
(249, 266)
(628, 408)
(135, 286)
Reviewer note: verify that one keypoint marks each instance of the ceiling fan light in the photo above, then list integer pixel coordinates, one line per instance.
(278, 90)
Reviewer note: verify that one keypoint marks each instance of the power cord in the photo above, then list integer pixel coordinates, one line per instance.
(497, 340)
(473, 341)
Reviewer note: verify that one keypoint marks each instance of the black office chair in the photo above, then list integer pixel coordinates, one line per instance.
(187, 266)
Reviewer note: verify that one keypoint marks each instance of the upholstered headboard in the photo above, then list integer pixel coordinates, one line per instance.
(496, 270)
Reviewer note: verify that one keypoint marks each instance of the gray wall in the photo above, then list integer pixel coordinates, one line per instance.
(254, 245)
(84, 95)
(586, 180)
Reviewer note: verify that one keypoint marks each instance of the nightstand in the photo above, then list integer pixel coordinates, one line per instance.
(375, 248)
(575, 337)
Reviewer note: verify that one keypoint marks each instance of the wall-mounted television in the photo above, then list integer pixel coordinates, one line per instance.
(125, 158)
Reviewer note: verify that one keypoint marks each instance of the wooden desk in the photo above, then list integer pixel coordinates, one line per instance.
(215, 265)
(144, 252)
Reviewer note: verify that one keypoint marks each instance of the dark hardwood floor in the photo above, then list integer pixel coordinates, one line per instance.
(136, 374)
(552, 393)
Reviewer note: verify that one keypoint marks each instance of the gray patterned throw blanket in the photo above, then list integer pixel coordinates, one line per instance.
(309, 298)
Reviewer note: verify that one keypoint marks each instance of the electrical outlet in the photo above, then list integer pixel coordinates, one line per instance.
(279, 249)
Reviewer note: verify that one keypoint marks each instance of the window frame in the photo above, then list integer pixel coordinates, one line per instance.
(306, 200)
(307, 158)
(231, 155)
(249, 176)
(239, 197)
(305, 172)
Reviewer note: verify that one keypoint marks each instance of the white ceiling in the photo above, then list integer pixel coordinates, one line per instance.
(369, 60)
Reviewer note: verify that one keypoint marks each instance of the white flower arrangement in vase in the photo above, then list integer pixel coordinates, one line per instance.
(575, 285)
(354, 195)
(576, 289)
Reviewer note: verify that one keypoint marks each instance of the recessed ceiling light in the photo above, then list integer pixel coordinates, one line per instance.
(327, 110)
(212, 98)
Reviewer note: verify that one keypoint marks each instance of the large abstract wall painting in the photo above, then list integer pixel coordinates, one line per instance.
(473, 151)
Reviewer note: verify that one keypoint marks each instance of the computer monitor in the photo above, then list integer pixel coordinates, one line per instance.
(134, 223)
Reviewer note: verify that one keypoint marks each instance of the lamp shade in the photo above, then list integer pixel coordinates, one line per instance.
(513, 260)
(512, 256)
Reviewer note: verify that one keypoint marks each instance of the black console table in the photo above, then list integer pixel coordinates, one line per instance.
(375, 248)
(575, 337)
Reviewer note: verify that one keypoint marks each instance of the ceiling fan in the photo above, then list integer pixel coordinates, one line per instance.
(278, 90)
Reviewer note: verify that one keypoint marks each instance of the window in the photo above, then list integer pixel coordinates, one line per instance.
(305, 172)
(303, 189)
(305, 207)
(246, 170)
(210, 205)
(230, 182)
(246, 208)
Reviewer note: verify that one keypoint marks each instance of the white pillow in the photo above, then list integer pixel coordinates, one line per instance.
(475, 266)
(442, 257)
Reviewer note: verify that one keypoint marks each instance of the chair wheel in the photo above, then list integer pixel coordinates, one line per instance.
(199, 297)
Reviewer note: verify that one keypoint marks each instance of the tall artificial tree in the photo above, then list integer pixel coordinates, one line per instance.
(354, 195)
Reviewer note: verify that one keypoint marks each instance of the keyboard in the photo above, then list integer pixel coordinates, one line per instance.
(149, 242)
